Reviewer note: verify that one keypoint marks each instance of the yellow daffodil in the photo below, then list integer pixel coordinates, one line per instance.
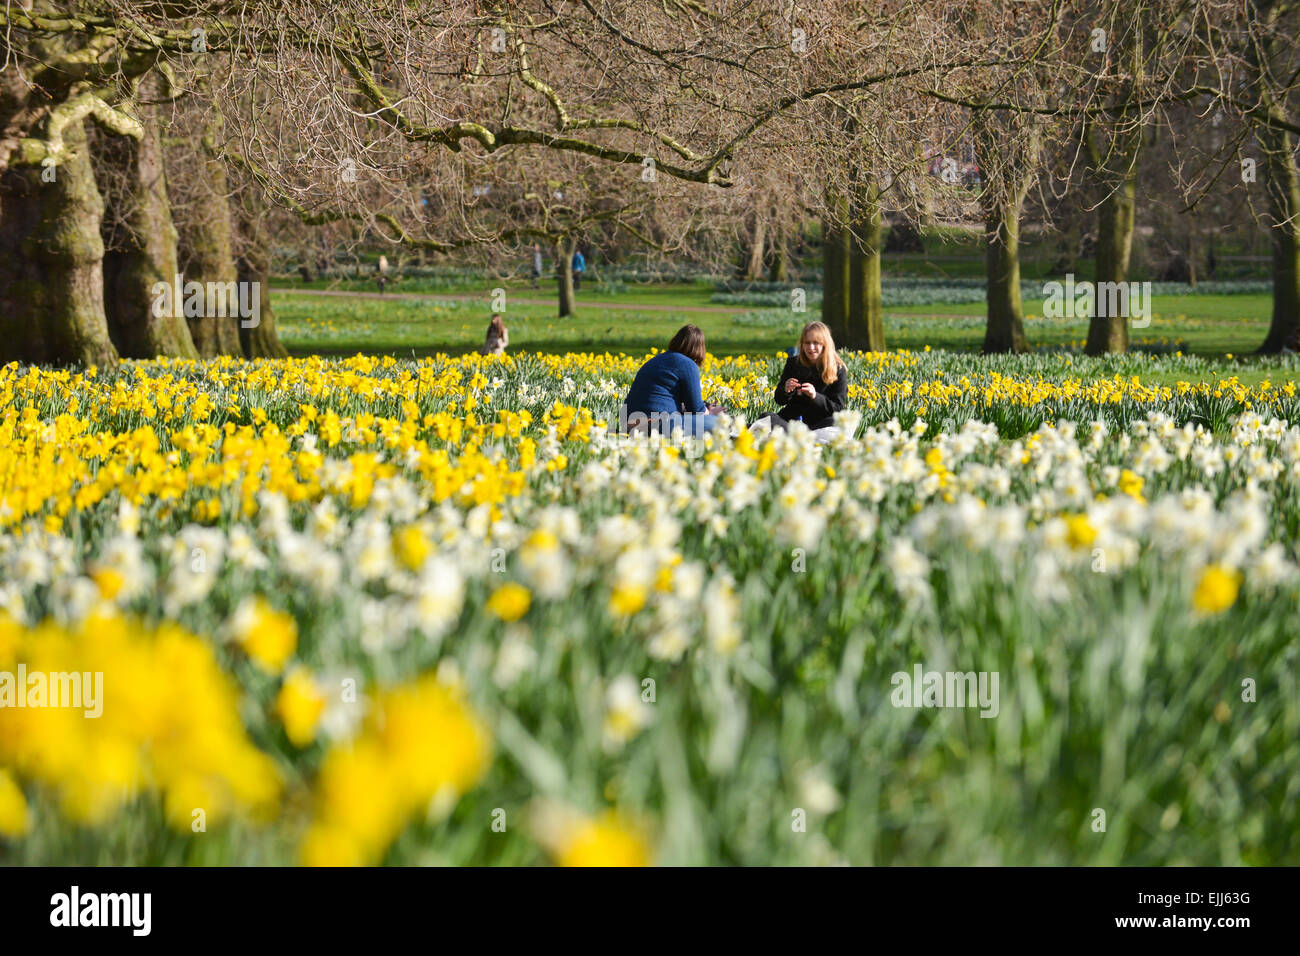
(510, 602)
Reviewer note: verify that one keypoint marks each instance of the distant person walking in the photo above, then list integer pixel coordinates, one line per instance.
(579, 267)
(497, 337)
(537, 265)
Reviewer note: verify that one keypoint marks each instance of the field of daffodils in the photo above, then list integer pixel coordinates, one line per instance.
(434, 612)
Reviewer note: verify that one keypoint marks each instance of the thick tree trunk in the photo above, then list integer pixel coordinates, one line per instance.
(1282, 180)
(1108, 329)
(866, 311)
(835, 271)
(1008, 153)
(1115, 171)
(1005, 330)
(145, 254)
(209, 257)
(66, 253)
(22, 335)
(260, 340)
(564, 273)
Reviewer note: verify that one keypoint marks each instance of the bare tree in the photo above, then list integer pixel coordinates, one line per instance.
(141, 239)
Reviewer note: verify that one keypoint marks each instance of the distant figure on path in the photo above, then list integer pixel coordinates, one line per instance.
(497, 338)
(381, 270)
(579, 267)
(537, 264)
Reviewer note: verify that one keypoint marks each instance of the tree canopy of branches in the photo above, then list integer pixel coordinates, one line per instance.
(469, 124)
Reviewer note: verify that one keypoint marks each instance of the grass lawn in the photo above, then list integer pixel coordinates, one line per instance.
(1221, 329)
(403, 325)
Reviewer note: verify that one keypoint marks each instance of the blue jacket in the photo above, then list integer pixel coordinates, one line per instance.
(579, 262)
(664, 384)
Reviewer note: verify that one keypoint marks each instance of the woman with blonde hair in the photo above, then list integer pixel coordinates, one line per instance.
(814, 384)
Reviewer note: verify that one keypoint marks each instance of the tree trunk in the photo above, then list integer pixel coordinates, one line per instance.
(66, 253)
(866, 325)
(1005, 330)
(835, 271)
(22, 336)
(1283, 183)
(260, 340)
(1008, 153)
(208, 245)
(144, 253)
(1108, 329)
(777, 266)
(564, 273)
(757, 245)
(1116, 173)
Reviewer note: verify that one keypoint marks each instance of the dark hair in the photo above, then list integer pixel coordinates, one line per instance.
(496, 324)
(689, 340)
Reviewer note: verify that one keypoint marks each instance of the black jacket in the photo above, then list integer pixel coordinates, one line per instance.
(818, 411)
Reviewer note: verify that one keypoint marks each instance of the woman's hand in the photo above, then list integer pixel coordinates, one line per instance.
(807, 390)
(791, 384)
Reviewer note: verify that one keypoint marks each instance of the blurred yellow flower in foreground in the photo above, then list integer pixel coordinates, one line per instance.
(627, 599)
(510, 602)
(109, 581)
(13, 807)
(156, 713)
(1131, 484)
(605, 841)
(575, 839)
(1216, 591)
(422, 747)
(269, 637)
(1079, 531)
(412, 547)
(299, 706)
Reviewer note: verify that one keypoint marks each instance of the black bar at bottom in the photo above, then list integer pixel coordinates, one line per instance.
(303, 907)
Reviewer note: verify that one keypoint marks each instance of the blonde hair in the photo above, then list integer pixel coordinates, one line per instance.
(829, 363)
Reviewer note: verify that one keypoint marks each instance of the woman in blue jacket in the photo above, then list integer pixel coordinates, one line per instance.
(665, 395)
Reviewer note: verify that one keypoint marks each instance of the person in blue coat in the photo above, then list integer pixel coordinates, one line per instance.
(665, 395)
(579, 267)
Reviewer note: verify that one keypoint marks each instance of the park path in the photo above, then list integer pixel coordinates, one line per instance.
(629, 306)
